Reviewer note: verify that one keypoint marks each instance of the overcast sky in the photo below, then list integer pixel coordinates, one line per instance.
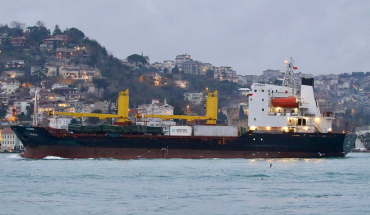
(323, 37)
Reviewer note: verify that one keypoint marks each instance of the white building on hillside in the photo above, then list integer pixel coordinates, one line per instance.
(180, 59)
(10, 86)
(155, 108)
(59, 85)
(60, 122)
(194, 98)
(22, 107)
(52, 70)
(79, 72)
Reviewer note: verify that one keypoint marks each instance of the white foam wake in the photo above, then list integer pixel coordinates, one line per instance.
(53, 158)
(15, 156)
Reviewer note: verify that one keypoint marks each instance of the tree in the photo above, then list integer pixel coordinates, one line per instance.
(17, 25)
(365, 139)
(175, 70)
(100, 83)
(241, 113)
(40, 24)
(75, 35)
(37, 35)
(11, 32)
(3, 111)
(135, 58)
(40, 72)
(22, 117)
(57, 30)
(210, 74)
(221, 118)
(28, 111)
(110, 96)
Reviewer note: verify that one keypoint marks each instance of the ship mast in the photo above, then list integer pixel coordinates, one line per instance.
(289, 74)
(35, 109)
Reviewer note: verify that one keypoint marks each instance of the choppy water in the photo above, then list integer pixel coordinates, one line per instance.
(180, 186)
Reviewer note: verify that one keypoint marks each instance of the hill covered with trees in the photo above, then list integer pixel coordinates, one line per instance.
(115, 75)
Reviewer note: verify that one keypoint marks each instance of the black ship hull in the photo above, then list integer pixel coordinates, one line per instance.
(40, 143)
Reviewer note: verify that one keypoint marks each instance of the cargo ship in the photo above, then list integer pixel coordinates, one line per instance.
(282, 123)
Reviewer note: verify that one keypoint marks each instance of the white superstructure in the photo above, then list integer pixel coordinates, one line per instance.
(284, 109)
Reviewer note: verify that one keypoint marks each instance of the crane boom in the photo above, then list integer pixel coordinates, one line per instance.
(123, 104)
(122, 110)
(211, 112)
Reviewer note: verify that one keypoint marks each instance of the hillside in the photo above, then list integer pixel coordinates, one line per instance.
(38, 46)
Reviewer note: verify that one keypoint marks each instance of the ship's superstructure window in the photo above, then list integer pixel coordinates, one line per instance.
(263, 90)
(263, 109)
(255, 90)
(254, 119)
(263, 99)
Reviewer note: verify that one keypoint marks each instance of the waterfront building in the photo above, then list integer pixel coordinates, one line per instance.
(10, 141)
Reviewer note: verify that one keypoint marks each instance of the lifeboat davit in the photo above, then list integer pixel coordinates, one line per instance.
(288, 102)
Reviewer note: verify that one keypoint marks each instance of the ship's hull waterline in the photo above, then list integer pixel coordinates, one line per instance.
(40, 143)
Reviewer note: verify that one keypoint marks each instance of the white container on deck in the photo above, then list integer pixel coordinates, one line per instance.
(180, 131)
(216, 131)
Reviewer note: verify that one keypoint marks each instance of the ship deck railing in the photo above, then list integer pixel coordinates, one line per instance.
(285, 114)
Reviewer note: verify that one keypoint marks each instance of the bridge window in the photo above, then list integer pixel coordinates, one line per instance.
(263, 109)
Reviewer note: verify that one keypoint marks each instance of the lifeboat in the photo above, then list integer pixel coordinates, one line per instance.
(288, 102)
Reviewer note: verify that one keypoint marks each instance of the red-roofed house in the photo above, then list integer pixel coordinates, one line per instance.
(18, 41)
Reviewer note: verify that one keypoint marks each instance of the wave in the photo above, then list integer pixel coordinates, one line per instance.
(258, 175)
(54, 158)
(15, 156)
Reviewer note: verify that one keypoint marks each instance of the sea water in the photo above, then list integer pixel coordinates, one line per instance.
(185, 186)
